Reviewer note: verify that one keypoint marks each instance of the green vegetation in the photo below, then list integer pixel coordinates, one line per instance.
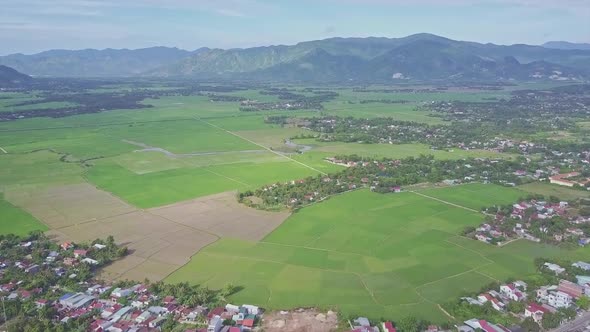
(371, 254)
(547, 190)
(16, 221)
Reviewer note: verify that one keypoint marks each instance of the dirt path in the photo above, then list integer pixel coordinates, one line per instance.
(445, 202)
(2, 149)
(262, 146)
(148, 148)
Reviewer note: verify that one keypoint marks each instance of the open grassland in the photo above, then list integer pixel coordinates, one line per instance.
(370, 254)
(547, 189)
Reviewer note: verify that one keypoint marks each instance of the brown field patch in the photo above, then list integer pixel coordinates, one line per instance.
(63, 206)
(223, 216)
(160, 240)
(152, 241)
(300, 320)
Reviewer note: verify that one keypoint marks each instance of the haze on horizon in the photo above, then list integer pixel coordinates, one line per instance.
(30, 26)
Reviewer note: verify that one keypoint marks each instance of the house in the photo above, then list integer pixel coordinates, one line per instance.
(483, 298)
(570, 288)
(248, 322)
(520, 284)
(80, 253)
(66, 245)
(119, 293)
(121, 313)
(42, 303)
(251, 309)
(99, 246)
(543, 292)
(90, 261)
(535, 311)
(215, 324)
(76, 301)
(143, 317)
(559, 299)
(388, 327)
(554, 268)
(157, 322)
(497, 304)
(582, 265)
(480, 324)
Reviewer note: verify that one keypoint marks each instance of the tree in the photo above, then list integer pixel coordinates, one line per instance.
(409, 324)
(551, 320)
(529, 325)
(516, 307)
(583, 302)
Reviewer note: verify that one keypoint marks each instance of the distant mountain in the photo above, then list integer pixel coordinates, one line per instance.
(94, 63)
(418, 57)
(10, 77)
(563, 45)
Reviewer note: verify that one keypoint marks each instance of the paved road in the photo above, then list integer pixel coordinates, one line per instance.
(578, 324)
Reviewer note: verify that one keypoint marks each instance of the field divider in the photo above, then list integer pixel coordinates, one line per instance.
(2, 149)
(260, 145)
(358, 275)
(445, 202)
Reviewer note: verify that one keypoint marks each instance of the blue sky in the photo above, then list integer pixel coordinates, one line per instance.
(30, 26)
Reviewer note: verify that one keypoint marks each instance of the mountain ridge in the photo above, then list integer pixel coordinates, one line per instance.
(418, 57)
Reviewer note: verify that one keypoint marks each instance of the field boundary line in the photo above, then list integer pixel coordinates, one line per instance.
(262, 146)
(446, 202)
(227, 177)
(359, 276)
(472, 250)
(2, 149)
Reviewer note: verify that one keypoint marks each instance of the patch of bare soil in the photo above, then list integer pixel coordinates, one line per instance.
(223, 216)
(300, 320)
(67, 205)
(160, 240)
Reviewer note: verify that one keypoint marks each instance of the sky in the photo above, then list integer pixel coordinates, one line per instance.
(30, 26)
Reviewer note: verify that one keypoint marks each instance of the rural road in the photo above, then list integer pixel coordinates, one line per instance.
(148, 148)
(578, 324)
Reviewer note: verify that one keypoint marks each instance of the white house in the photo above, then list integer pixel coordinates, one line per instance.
(559, 299)
(554, 267)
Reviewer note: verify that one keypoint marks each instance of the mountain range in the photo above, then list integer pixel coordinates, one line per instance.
(94, 63)
(11, 77)
(563, 45)
(416, 57)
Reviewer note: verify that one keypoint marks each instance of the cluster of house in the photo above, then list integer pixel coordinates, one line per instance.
(529, 215)
(569, 179)
(515, 291)
(142, 311)
(362, 324)
(59, 262)
(147, 312)
(548, 299)
(481, 325)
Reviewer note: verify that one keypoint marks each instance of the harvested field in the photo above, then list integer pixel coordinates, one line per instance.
(301, 320)
(222, 215)
(67, 205)
(160, 240)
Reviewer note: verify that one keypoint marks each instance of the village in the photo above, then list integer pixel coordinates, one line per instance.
(554, 221)
(57, 282)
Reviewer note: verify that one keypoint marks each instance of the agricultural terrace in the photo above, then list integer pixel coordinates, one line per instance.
(371, 254)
